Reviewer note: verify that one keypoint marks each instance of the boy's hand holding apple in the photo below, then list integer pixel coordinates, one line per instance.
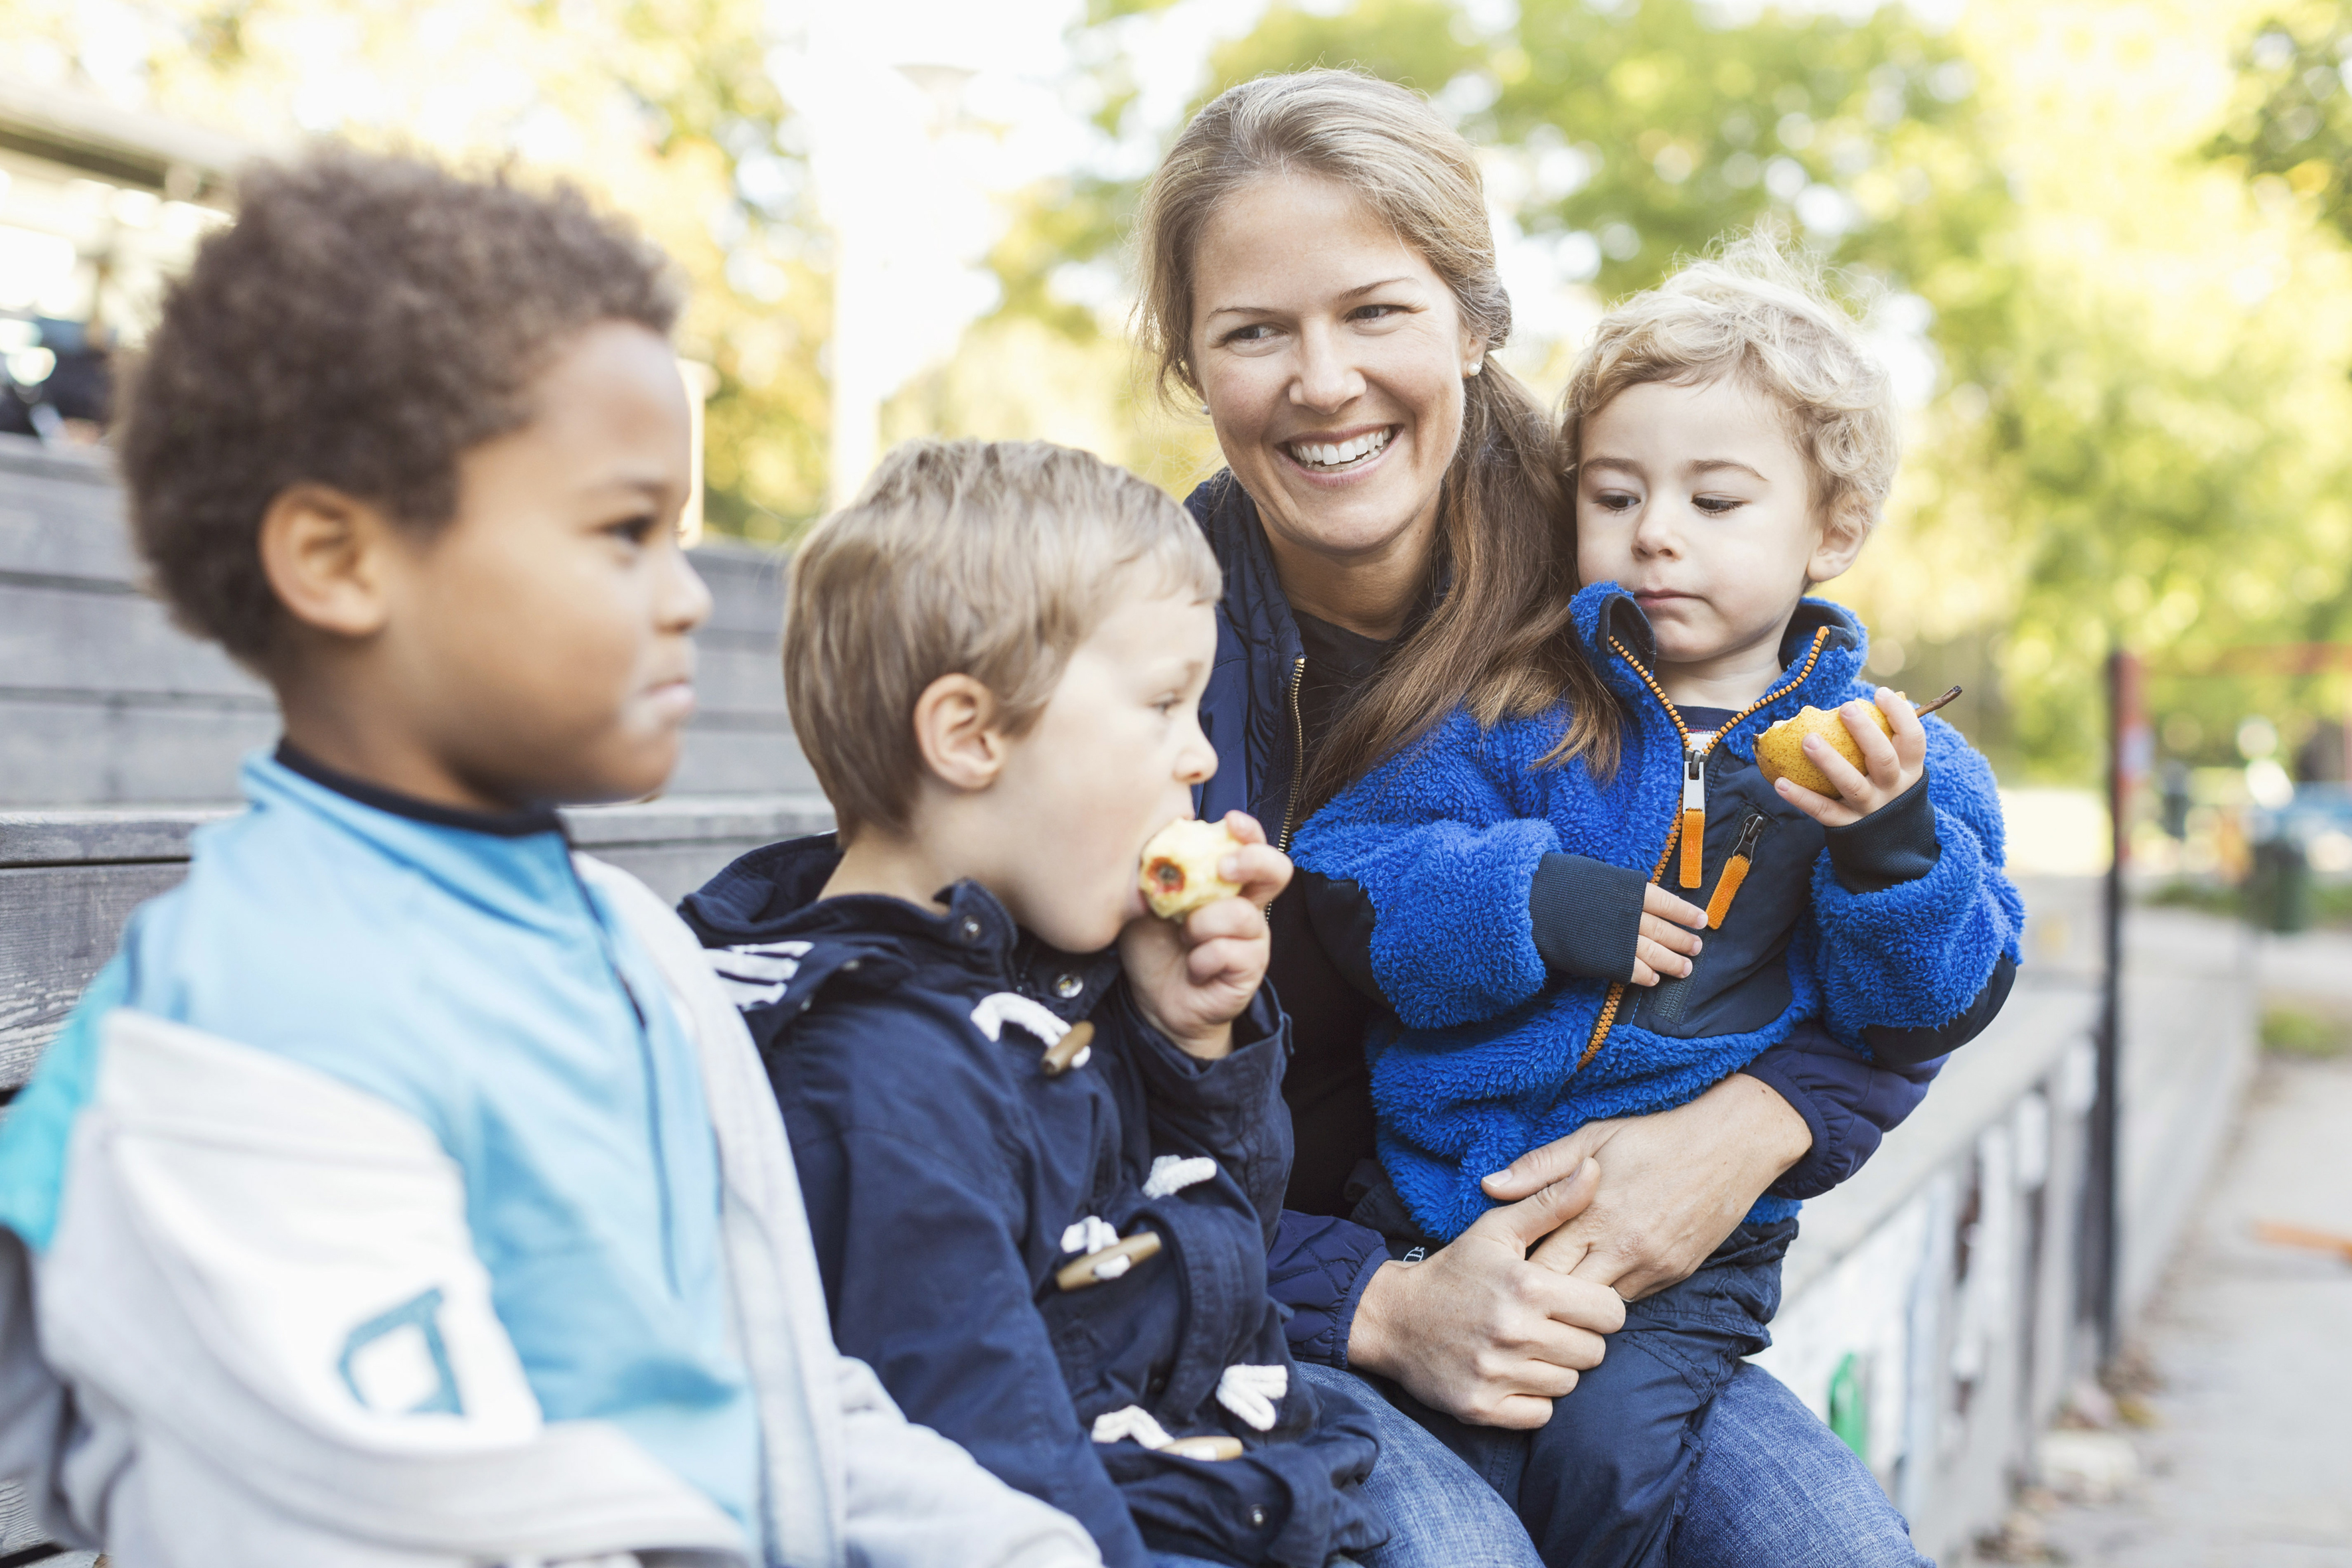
(1193, 974)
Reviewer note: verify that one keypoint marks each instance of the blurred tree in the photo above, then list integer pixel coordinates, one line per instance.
(2293, 117)
(2135, 373)
(663, 108)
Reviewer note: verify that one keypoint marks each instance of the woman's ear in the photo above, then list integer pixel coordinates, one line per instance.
(1474, 352)
(1845, 530)
(325, 555)
(956, 732)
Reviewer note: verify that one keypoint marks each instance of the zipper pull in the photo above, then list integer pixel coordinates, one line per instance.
(1693, 827)
(1735, 871)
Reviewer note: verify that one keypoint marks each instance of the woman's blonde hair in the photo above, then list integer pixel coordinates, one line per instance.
(1500, 637)
(1761, 313)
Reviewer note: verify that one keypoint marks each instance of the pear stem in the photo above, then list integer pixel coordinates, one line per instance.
(1940, 701)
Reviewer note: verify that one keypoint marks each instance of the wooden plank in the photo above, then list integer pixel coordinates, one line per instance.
(747, 588)
(62, 513)
(70, 878)
(738, 680)
(108, 751)
(73, 639)
(101, 837)
(57, 925)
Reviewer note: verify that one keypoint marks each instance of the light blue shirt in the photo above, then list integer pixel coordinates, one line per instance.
(459, 969)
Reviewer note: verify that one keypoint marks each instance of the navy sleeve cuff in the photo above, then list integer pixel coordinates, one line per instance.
(1317, 1271)
(1341, 912)
(1894, 844)
(1908, 1048)
(1587, 915)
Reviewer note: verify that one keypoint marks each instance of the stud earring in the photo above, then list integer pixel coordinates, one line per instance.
(1475, 365)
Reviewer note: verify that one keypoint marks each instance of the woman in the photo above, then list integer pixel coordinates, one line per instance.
(1320, 271)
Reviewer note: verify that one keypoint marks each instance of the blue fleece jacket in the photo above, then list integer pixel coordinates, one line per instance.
(1496, 1051)
(1319, 1264)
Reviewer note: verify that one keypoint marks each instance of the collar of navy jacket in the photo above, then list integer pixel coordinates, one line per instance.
(1246, 711)
(766, 906)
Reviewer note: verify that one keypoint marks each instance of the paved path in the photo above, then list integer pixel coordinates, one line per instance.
(2251, 1463)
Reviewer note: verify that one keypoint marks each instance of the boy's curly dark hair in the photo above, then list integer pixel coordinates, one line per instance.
(364, 321)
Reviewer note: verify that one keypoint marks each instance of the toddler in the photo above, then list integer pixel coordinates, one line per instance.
(1566, 931)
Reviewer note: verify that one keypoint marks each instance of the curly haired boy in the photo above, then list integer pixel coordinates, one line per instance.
(404, 1192)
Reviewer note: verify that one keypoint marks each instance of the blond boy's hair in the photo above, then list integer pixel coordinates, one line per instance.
(991, 559)
(1759, 313)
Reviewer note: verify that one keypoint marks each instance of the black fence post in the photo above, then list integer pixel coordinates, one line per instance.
(2127, 746)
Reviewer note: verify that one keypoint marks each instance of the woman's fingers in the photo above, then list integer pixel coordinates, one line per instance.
(1665, 906)
(1244, 827)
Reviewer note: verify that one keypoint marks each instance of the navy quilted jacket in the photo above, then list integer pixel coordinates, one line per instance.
(1888, 932)
(949, 1180)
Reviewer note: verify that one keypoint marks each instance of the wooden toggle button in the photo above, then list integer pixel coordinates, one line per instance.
(1070, 1049)
(1122, 1255)
(1207, 1447)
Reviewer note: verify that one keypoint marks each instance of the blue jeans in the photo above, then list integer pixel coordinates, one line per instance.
(1772, 1487)
(1441, 1514)
(1605, 1479)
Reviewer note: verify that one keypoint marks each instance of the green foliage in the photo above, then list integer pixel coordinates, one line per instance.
(2293, 114)
(663, 108)
(2293, 1031)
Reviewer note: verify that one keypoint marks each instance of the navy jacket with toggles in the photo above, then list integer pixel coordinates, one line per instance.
(949, 1179)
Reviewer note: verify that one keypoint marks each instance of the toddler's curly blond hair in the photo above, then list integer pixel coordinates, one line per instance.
(1761, 312)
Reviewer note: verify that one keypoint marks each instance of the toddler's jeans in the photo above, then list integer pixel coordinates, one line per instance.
(1609, 1480)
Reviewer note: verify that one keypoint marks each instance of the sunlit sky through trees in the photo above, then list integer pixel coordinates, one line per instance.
(2103, 243)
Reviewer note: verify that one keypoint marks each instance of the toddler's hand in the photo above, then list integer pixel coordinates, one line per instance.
(1192, 979)
(1896, 763)
(1664, 948)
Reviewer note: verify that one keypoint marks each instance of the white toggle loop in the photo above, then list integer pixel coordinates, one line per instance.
(1133, 1423)
(1173, 1172)
(1249, 1392)
(1091, 1234)
(1005, 1007)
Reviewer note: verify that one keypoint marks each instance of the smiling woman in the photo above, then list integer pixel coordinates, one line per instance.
(1320, 269)
(1398, 541)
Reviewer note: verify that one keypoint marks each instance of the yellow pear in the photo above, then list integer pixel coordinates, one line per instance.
(1780, 750)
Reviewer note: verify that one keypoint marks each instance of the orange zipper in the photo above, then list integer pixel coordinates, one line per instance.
(1682, 829)
(1734, 874)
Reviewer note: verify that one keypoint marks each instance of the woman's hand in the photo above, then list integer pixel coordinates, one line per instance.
(1193, 978)
(1664, 948)
(1673, 1184)
(1895, 763)
(1478, 1331)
